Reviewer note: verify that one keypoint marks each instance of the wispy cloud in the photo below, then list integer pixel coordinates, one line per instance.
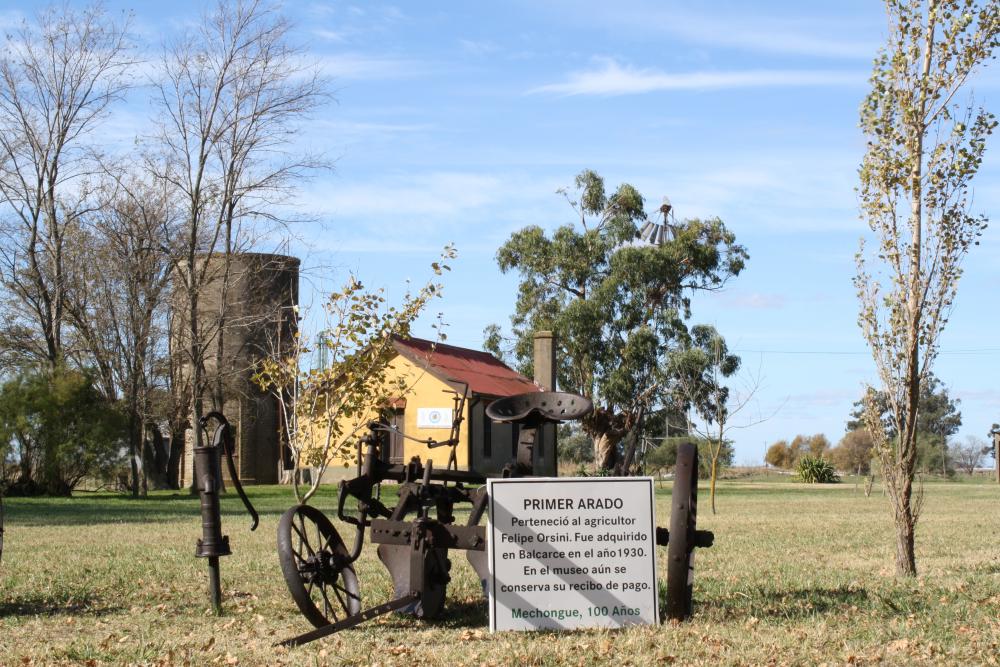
(354, 26)
(352, 131)
(821, 402)
(437, 196)
(750, 33)
(755, 300)
(478, 47)
(789, 42)
(11, 19)
(329, 35)
(611, 78)
(819, 33)
(364, 66)
(989, 397)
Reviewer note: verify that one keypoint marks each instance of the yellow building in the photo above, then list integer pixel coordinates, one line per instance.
(446, 380)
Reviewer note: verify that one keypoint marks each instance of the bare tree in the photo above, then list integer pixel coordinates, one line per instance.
(699, 373)
(922, 152)
(970, 455)
(57, 79)
(116, 301)
(231, 95)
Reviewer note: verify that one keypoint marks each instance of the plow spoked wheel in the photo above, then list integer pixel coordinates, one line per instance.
(680, 547)
(312, 556)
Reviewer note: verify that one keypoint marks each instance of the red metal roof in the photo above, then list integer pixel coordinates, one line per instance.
(481, 371)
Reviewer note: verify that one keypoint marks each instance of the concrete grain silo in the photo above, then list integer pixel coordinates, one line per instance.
(255, 296)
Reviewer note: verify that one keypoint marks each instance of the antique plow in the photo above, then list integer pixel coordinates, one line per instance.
(413, 544)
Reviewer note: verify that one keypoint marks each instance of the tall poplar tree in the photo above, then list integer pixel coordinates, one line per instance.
(923, 149)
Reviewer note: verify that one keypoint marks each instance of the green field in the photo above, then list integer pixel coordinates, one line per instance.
(799, 575)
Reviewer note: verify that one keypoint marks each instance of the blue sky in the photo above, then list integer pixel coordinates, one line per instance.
(457, 122)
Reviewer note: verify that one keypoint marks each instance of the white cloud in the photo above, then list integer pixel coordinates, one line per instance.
(611, 78)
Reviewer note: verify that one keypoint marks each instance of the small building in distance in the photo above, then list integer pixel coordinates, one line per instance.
(439, 376)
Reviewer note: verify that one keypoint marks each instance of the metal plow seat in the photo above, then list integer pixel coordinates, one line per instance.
(543, 405)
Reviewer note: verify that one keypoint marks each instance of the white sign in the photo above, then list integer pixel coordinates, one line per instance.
(433, 417)
(570, 553)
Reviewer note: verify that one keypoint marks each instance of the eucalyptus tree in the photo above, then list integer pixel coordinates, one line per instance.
(923, 150)
(617, 304)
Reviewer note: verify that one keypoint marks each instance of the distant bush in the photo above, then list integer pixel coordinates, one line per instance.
(575, 447)
(664, 456)
(816, 470)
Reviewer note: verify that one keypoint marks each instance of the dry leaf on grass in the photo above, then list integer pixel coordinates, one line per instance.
(897, 646)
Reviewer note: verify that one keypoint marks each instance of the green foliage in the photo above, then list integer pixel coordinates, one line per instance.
(696, 371)
(937, 413)
(616, 305)
(933, 456)
(816, 470)
(662, 457)
(59, 429)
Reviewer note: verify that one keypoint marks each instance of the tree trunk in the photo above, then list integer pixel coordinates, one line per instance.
(996, 455)
(156, 461)
(196, 358)
(711, 487)
(906, 561)
(901, 495)
(176, 454)
(135, 449)
(605, 451)
(944, 456)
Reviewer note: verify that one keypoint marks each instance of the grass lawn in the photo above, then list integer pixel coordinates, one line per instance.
(798, 575)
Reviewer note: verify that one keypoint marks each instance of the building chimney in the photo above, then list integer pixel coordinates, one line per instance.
(545, 360)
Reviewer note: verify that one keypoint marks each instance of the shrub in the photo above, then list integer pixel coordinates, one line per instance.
(816, 470)
(575, 447)
(665, 455)
(60, 428)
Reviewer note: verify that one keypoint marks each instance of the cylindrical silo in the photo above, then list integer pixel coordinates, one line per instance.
(247, 311)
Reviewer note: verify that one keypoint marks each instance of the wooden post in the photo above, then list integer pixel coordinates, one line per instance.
(544, 362)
